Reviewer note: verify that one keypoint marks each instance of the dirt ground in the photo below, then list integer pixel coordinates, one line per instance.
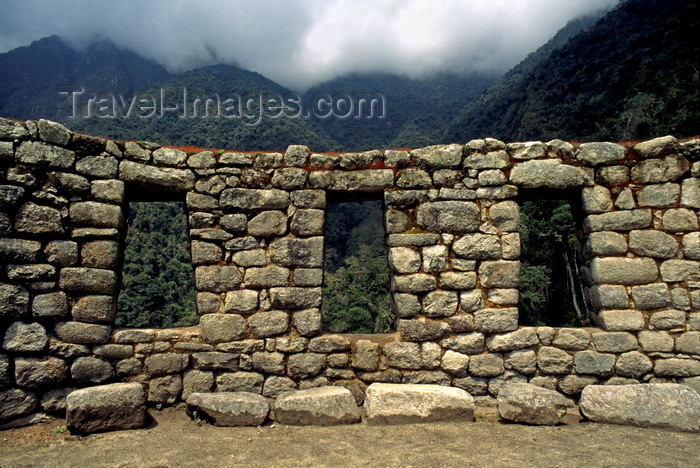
(173, 440)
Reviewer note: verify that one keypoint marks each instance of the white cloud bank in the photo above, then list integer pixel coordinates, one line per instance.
(299, 43)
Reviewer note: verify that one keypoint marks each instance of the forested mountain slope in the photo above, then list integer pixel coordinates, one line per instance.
(633, 75)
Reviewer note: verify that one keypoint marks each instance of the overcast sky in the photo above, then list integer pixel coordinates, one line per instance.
(299, 43)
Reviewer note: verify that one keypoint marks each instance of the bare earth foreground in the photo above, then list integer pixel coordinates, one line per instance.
(173, 440)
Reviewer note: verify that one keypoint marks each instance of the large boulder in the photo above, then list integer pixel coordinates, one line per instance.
(106, 408)
(321, 406)
(230, 408)
(668, 406)
(530, 404)
(415, 403)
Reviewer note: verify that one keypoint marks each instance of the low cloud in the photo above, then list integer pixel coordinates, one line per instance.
(299, 43)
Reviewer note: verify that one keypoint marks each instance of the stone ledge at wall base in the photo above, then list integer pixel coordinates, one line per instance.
(665, 406)
(416, 403)
(110, 407)
(229, 408)
(320, 406)
(530, 404)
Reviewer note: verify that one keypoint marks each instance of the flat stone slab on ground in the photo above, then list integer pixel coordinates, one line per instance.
(415, 403)
(106, 408)
(230, 408)
(667, 406)
(530, 404)
(321, 406)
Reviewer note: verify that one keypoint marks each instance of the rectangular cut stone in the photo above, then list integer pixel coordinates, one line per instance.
(254, 199)
(168, 179)
(625, 220)
(416, 240)
(88, 280)
(496, 320)
(295, 298)
(624, 270)
(414, 403)
(106, 408)
(369, 180)
(621, 320)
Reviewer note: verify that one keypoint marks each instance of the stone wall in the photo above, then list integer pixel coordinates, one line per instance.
(256, 224)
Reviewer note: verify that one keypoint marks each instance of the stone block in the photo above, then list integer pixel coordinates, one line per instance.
(166, 363)
(165, 390)
(295, 298)
(167, 179)
(499, 274)
(230, 408)
(91, 370)
(688, 343)
(469, 343)
(455, 217)
(321, 406)
(305, 365)
(679, 220)
(571, 339)
(680, 270)
(438, 156)
(676, 367)
(633, 364)
(414, 283)
(402, 355)
(651, 296)
(668, 319)
(486, 365)
(520, 339)
(96, 214)
(478, 246)
(297, 253)
(550, 173)
(455, 363)
(414, 403)
(106, 408)
(93, 309)
(599, 153)
(621, 320)
(496, 320)
(596, 199)
(624, 270)
(41, 372)
(270, 323)
(666, 406)
(35, 219)
(19, 250)
(219, 328)
(655, 171)
(367, 180)
(25, 337)
(307, 322)
(530, 404)
(215, 278)
(591, 362)
(605, 243)
(422, 329)
(608, 296)
(618, 221)
(523, 361)
(614, 342)
(554, 361)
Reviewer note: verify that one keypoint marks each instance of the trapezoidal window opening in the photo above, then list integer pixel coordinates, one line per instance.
(551, 282)
(157, 288)
(356, 285)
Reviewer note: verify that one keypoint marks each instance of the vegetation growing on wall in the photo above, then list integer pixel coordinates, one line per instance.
(157, 286)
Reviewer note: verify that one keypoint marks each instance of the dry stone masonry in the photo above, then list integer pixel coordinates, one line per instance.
(256, 225)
